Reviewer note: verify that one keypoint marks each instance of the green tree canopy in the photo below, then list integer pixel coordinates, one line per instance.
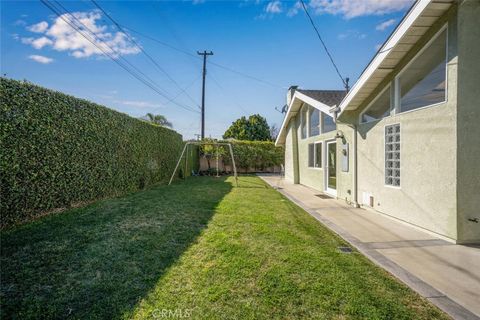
(255, 128)
(159, 119)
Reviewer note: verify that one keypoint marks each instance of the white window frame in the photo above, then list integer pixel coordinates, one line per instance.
(388, 86)
(322, 119)
(315, 155)
(397, 100)
(304, 120)
(385, 159)
(319, 123)
(395, 86)
(308, 155)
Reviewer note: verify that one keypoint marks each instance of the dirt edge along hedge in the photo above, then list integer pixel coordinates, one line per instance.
(57, 150)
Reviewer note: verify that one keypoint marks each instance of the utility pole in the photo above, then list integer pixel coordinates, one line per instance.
(204, 54)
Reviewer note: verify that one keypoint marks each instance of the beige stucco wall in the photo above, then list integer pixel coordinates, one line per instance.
(427, 196)
(440, 148)
(312, 177)
(289, 154)
(468, 116)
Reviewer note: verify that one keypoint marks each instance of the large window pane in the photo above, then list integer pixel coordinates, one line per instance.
(311, 154)
(318, 155)
(328, 123)
(303, 122)
(423, 82)
(314, 118)
(379, 108)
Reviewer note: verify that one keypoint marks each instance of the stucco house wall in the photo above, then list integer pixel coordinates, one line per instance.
(289, 153)
(440, 148)
(468, 115)
(427, 195)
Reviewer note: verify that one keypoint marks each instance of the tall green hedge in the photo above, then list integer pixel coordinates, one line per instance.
(248, 155)
(57, 151)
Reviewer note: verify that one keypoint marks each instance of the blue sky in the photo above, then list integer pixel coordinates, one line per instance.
(269, 40)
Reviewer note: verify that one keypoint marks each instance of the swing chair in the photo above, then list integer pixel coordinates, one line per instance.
(217, 144)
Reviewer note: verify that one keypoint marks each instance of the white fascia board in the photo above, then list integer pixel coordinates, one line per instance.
(413, 15)
(310, 101)
(298, 97)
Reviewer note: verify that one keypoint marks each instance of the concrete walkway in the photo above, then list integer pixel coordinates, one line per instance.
(446, 274)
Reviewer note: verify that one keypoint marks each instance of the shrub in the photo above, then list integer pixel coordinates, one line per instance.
(57, 150)
(248, 154)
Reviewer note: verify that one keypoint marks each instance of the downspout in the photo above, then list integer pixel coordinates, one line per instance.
(354, 203)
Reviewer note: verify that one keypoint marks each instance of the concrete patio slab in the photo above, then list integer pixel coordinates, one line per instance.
(446, 274)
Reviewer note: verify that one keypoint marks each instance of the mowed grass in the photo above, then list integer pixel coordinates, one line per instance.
(200, 249)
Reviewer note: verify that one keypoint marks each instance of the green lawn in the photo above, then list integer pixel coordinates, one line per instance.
(201, 248)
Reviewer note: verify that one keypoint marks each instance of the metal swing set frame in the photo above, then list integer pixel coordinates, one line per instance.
(185, 152)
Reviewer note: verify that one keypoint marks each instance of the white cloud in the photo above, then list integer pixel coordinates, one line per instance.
(293, 11)
(27, 40)
(384, 25)
(40, 27)
(40, 59)
(41, 42)
(62, 37)
(356, 8)
(198, 1)
(20, 22)
(355, 34)
(138, 104)
(274, 7)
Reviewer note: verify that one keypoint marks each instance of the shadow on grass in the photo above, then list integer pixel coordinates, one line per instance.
(99, 261)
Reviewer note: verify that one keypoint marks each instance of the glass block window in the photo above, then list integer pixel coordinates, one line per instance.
(311, 155)
(314, 122)
(392, 155)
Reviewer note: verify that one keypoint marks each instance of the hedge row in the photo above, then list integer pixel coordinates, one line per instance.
(249, 155)
(57, 150)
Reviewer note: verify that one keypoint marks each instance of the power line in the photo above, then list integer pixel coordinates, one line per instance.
(211, 63)
(95, 42)
(142, 50)
(182, 91)
(344, 81)
(222, 90)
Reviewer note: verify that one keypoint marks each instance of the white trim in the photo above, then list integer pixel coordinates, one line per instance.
(298, 97)
(332, 192)
(308, 155)
(315, 155)
(401, 30)
(398, 100)
(388, 86)
(312, 102)
(303, 121)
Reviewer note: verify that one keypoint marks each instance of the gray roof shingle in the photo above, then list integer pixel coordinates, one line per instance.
(328, 97)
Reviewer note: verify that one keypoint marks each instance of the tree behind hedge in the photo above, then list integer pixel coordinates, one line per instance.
(255, 154)
(57, 150)
(255, 128)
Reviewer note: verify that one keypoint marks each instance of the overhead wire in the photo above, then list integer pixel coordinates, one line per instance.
(136, 73)
(222, 90)
(323, 43)
(143, 51)
(211, 62)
